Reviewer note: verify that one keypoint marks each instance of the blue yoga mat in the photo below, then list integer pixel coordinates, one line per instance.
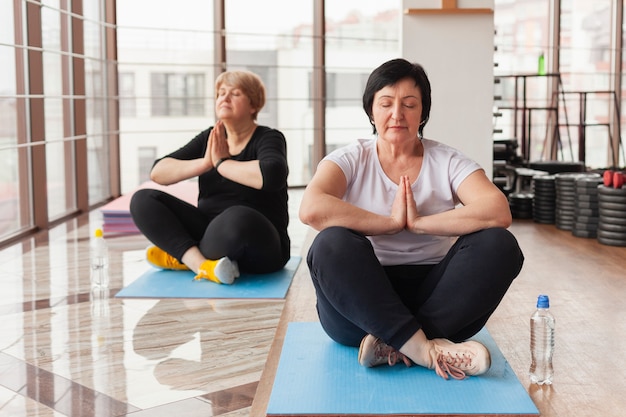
(158, 283)
(317, 376)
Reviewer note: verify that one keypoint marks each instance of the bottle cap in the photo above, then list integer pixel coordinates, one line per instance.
(98, 233)
(543, 301)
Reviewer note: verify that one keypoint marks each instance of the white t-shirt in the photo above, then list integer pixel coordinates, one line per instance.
(443, 170)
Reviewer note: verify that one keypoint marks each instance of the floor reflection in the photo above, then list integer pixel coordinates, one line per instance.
(69, 350)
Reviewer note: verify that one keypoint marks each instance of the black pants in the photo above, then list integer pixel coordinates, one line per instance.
(453, 299)
(239, 232)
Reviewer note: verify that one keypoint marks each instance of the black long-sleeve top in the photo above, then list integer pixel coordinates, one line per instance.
(217, 193)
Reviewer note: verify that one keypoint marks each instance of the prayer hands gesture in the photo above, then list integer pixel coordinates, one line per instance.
(217, 147)
(404, 212)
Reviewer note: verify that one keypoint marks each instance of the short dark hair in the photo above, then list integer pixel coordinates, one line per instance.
(390, 73)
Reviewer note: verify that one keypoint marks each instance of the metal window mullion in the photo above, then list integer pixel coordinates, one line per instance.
(111, 92)
(79, 114)
(219, 39)
(554, 66)
(615, 104)
(69, 173)
(319, 83)
(24, 178)
(36, 116)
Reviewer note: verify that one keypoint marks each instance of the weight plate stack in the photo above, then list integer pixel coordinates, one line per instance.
(566, 198)
(586, 214)
(521, 205)
(612, 216)
(544, 201)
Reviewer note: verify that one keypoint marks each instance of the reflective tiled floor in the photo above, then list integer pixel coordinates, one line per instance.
(68, 350)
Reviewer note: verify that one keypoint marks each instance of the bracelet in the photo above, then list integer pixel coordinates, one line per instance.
(219, 162)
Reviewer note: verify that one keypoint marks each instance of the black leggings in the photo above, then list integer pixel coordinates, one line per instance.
(453, 299)
(239, 232)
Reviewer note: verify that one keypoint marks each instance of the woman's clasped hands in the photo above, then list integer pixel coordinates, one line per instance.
(217, 147)
(404, 213)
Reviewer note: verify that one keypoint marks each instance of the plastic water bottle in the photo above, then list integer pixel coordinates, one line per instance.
(542, 343)
(99, 260)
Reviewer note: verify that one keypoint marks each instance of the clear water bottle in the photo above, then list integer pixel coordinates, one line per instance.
(99, 260)
(542, 343)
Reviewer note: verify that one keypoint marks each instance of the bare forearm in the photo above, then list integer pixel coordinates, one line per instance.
(170, 171)
(246, 173)
(327, 211)
(463, 220)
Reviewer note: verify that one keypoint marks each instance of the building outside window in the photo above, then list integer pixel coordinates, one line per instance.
(177, 94)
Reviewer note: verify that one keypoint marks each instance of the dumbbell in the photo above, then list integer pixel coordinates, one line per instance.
(613, 178)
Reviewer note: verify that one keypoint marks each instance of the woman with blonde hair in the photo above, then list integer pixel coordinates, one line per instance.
(240, 221)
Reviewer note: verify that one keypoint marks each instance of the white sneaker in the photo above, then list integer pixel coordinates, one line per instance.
(373, 352)
(459, 359)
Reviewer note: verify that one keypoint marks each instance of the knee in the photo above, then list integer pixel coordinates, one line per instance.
(140, 201)
(241, 219)
(337, 246)
(502, 246)
(240, 211)
(326, 245)
(493, 238)
(332, 241)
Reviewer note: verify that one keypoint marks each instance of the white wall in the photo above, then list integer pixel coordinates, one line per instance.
(456, 51)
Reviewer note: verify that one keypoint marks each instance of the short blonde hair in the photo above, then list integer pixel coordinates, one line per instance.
(248, 82)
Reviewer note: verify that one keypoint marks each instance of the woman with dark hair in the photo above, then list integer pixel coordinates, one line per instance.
(413, 254)
(240, 222)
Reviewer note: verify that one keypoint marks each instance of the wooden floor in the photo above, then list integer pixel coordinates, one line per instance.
(67, 351)
(586, 282)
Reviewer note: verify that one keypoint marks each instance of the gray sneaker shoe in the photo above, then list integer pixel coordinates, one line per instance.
(373, 352)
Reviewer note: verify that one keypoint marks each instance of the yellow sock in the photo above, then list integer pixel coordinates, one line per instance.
(158, 258)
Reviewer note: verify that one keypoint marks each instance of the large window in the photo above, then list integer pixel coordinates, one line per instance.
(341, 88)
(166, 58)
(177, 94)
(569, 114)
(12, 157)
(128, 102)
(146, 156)
(285, 48)
(171, 55)
(586, 67)
(360, 35)
(88, 96)
(55, 89)
(522, 37)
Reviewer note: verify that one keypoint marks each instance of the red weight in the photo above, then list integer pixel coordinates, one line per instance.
(618, 180)
(607, 178)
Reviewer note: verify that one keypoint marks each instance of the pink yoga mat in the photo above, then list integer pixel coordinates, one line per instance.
(116, 214)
